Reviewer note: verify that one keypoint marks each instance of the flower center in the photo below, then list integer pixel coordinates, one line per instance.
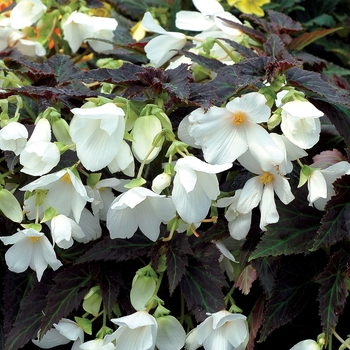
(238, 118)
(33, 239)
(66, 178)
(266, 177)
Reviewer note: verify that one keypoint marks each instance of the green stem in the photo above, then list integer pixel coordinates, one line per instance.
(144, 162)
(228, 52)
(29, 111)
(340, 339)
(300, 163)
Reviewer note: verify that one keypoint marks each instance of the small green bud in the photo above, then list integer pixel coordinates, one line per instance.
(9, 206)
(142, 291)
(36, 227)
(85, 324)
(305, 172)
(92, 301)
(49, 214)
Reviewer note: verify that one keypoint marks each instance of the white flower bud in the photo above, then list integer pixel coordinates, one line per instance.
(160, 182)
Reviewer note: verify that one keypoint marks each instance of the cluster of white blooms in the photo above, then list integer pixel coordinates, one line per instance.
(77, 28)
(162, 48)
(24, 14)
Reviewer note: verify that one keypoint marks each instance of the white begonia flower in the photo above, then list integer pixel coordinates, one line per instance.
(96, 344)
(290, 150)
(171, 334)
(191, 340)
(5, 31)
(98, 133)
(103, 29)
(78, 27)
(226, 257)
(13, 137)
(160, 49)
(90, 224)
(195, 186)
(62, 333)
(26, 13)
(307, 344)
(223, 330)
(301, 123)
(226, 133)
(26, 46)
(143, 133)
(137, 331)
(320, 183)
(30, 248)
(261, 189)
(63, 230)
(123, 161)
(103, 196)
(66, 193)
(30, 48)
(141, 208)
(184, 135)
(39, 156)
(238, 223)
(160, 182)
(207, 18)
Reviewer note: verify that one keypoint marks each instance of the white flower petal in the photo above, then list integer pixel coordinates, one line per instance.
(317, 186)
(208, 7)
(171, 334)
(251, 195)
(269, 214)
(262, 147)
(160, 49)
(150, 24)
(194, 21)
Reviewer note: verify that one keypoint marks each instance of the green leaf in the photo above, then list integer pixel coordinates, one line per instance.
(28, 321)
(110, 281)
(177, 82)
(15, 288)
(307, 38)
(245, 279)
(254, 34)
(332, 293)
(274, 46)
(311, 83)
(118, 249)
(292, 292)
(71, 286)
(176, 259)
(266, 269)
(285, 24)
(232, 79)
(202, 282)
(255, 319)
(62, 66)
(336, 222)
(202, 95)
(207, 62)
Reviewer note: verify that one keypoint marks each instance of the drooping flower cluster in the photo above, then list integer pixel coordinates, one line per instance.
(77, 28)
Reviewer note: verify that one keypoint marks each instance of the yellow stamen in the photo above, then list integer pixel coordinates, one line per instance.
(66, 178)
(266, 177)
(33, 239)
(238, 118)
